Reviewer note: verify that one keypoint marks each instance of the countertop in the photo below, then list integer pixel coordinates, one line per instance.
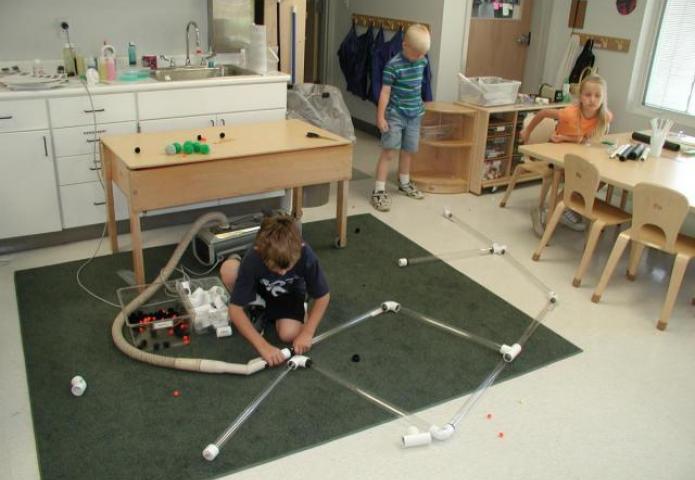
(75, 87)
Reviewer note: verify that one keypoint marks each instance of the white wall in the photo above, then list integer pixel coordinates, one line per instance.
(430, 12)
(30, 29)
(602, 18)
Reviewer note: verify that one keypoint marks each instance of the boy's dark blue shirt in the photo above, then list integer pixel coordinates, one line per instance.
(305, 277)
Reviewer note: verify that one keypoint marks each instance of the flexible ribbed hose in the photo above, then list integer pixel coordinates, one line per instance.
(190, 364)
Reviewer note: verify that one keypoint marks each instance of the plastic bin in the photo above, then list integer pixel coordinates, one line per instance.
(161, 323)
(488, 91)
(437, 132)
(205, 320)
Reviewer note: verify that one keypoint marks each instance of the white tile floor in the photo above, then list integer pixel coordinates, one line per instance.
(622, 409)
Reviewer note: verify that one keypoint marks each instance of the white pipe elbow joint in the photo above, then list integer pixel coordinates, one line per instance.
(510, 352)
(498, 249)
(286, 353)
(442, 433)
(447, 213)
(391, 306)
(299, 361)
(403, 262)
(416, 438)
(211, 451)
(553, 298)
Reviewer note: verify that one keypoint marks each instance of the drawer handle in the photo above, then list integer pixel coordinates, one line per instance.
(223, 122)
(95, 110)
(94, 169)
(212, 122)
(6, 117)
(45, 145)
(96, 204)
(93, 140)
(93, 132)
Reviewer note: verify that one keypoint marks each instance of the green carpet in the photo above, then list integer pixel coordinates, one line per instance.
(128, 425)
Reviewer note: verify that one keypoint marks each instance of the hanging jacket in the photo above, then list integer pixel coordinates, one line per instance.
(347, 52)
(584, 60)
(361, 63)
(382, 52)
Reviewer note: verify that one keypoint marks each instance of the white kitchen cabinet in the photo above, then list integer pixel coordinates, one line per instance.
(204, 121)
(23, 115)
(28, 192)
(109, 108)
(85, 204)
(85, 139)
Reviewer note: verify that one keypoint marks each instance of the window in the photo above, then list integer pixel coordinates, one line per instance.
(671, 80)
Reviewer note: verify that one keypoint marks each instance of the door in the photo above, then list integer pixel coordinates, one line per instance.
(498, 38)
(28, 192)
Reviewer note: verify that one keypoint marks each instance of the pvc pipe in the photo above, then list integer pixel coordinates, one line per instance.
(385, 307)
(299, 361)
(415, 438)
(442, 433)
(510, 352)
(456, 331)
(212, 450)
(404, 262)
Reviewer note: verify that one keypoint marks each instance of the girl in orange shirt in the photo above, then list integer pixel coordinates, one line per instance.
(587, 120)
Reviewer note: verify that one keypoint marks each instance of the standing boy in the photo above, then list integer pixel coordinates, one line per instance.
(282, 270)
(399, 112)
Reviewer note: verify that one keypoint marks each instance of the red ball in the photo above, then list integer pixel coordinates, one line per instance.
(176, 393)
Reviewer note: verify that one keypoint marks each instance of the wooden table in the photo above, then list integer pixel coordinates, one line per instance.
(670, 170)
(250, 158)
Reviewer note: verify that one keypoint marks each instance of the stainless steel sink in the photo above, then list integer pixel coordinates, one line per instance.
(170, 74)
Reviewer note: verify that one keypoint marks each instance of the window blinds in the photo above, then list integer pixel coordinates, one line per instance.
(671, 79)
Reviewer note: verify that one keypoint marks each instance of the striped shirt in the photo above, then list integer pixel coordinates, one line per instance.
(405, 79)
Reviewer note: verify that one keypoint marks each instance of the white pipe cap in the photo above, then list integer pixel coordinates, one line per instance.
(210, 453)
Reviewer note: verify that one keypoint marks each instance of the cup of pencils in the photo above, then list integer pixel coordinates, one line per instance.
(660, 129)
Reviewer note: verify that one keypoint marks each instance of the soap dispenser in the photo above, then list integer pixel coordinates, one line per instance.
(107, 63)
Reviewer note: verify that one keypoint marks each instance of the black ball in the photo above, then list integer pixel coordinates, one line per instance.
(355, 358)
(200, 137)
(137, 149)
(221, 134)
(357, 230)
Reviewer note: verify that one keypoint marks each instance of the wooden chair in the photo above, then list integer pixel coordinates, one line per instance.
(581, 183)
(540, 134)
(658, 215)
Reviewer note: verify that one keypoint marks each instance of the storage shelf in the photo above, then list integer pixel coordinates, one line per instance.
(455, 143)
(434, 183)
(526, 177)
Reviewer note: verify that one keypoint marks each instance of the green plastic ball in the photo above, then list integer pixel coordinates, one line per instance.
(196, 147)
(178, 147)
(204, 148)
(187, 148)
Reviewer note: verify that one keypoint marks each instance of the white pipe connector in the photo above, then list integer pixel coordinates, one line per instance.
(447, 213)
(391, 306)
(299, 361)
(403, 262)
(510, 352)
(498, 249)
(442, 433)
(416, 438)
(553, 298)
(211, 451)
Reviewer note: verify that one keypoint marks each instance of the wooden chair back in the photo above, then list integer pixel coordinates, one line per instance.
(581, 183)
(654, 206)
(542, 132)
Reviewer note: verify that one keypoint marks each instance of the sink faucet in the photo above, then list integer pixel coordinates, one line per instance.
(197, 41)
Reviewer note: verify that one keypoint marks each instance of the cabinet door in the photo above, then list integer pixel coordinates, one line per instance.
(254, 116)
(85, 204)
(28, 192)
(182, 123)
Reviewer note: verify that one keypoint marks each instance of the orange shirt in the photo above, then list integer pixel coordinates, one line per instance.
(571, 122)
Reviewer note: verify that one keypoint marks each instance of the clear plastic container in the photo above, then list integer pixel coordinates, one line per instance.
(204, 320)
(488, 91)
(437, 132)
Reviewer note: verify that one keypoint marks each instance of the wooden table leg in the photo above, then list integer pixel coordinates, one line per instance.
(107, 164)
(297, 201)
(136, 239)
(341, 212)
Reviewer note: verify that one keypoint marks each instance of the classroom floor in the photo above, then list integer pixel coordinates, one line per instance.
(622, 409)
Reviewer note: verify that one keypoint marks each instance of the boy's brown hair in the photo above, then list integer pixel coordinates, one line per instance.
(278, 242)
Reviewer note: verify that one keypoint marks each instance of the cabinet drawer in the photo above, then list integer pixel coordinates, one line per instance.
(72, 111)
(201, 101)
(250, 117)
(21, 115)
(82, 140)
(85, 204)
(77, 169)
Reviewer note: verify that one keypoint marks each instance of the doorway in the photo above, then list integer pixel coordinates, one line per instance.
(316, 41)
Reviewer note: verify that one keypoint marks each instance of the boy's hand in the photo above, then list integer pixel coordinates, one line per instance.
(382, 124)
(302, 342)
(272, 355)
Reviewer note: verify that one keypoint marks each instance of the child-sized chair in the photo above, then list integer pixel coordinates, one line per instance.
(540, 134)
(581, 183)
(658, 214)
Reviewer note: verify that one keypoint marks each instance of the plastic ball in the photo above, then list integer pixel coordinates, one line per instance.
(199, 137)
(221, 134)
(355, 358)
(177, 146)
(204, 148)
(170, 149)
(176, 394)
(137, 149)
(187, 148)
(196, 147)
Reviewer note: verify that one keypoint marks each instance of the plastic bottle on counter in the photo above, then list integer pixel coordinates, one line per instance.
(132, 56)
(107, 63)
(69, 59)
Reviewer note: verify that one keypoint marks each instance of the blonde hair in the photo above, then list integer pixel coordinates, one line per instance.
(278, 242)
(602, 115)
(418, 38)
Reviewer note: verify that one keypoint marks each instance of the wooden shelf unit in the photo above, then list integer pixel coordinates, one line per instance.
(492, 125)
(442, 165)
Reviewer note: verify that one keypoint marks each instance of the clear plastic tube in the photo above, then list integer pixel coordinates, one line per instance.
(461, 333)
(345, 326)
(537, 321)
(413, 419)
(231, 430)
(404, 262)
(448, 214)
(473, 399)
